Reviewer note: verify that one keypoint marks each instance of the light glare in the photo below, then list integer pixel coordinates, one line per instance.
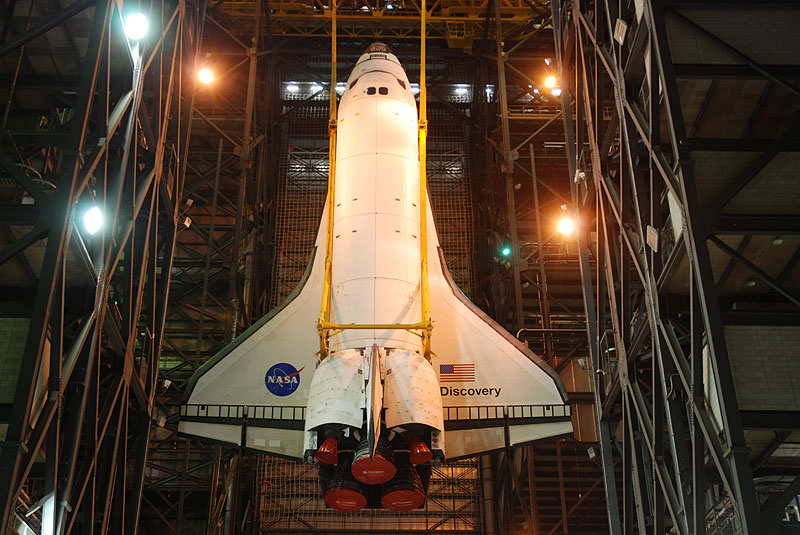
(556, 92)
(566, 225)
(550, 81)
(506, 251)
(135, 26)
(205, 76)
(93, 220)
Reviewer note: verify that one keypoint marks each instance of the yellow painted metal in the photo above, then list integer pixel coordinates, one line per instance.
(325, 311)
(423, 187)
(456, 21)
(325, 327)
(364, 326)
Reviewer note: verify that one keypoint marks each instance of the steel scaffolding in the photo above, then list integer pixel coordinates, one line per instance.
(101, 125)
(645, 110)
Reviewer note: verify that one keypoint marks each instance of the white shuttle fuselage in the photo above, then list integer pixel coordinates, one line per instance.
(375, 412)
(376, 240)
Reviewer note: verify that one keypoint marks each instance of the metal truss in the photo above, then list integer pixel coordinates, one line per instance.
(663, 384)
(534, 290)
(112, 134)
(220, 246)
(459, 22)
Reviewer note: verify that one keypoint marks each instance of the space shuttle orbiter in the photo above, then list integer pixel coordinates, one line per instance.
(378, 408)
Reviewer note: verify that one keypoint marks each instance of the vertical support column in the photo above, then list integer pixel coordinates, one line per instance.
(209, 254)
(489, 501)
(545, 301)
(697, 249)
(564, 521)
(245, 162)
(587, 285)
(508, 168)
(532, 491)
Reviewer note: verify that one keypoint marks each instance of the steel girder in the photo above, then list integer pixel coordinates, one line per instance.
(84, 398)
(658, 358)
(459, 22)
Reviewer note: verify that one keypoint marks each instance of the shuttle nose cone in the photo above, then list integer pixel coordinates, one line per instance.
(378, 47)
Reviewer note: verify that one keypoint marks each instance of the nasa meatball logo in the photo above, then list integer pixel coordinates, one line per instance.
(282, 379)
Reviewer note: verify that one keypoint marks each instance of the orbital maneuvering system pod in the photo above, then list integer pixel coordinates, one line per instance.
(372, 390)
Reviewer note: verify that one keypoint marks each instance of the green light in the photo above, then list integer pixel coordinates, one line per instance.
(506, 251)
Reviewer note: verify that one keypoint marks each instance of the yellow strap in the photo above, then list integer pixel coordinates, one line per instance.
(325, 313)
(423, 188)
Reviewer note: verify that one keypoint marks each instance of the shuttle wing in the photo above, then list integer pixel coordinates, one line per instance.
(257, 386)
(488, 379)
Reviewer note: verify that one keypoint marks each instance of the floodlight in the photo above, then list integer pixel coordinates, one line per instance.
(205, 76)
(93, 220)
(135, 26)
(550, 81)
(566, 225)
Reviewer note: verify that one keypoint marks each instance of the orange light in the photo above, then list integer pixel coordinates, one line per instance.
(205, 76)
(550, 81)
(566, 225)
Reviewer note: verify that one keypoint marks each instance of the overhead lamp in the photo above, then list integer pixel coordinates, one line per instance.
(461, 90)
(547, 61)
(135, 26)
(550, 81)
(566, 225)
(315, 88)
(389, 6)
(556, 91)
(415, 89)
(506, 251)
(93, 220)
(205, 76)
(292, 88)
(536, 90)
(340, 87)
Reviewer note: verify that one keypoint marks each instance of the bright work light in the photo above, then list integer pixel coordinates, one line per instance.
(205, 76)
(566, 225)
(135, 26)
(93, 220)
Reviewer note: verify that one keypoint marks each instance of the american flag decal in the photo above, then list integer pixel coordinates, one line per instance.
(456, 373)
